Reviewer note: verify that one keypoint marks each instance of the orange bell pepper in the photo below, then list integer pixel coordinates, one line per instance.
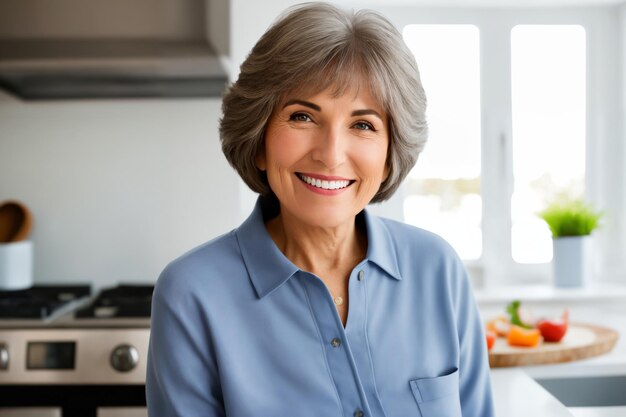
(519, 336)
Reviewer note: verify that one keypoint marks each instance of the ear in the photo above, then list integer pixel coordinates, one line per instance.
(261, 163)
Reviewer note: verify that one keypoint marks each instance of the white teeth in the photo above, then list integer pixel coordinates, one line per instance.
(326, 185)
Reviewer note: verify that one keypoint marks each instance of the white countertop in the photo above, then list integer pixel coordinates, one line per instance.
(549, 294)
(518, 395)
(599, 412)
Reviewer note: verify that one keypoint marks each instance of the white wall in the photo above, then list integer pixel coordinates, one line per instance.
(117, 187)
(606, 128)
(621, 231)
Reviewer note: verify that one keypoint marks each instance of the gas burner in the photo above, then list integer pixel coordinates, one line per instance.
(40, 301)
(123, 301)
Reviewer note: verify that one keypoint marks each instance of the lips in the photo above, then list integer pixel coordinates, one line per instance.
(325, 182)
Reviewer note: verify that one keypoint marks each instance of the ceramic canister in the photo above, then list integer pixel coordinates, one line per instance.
(16, 265)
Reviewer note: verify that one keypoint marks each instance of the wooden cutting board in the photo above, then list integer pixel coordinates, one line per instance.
(581, 341)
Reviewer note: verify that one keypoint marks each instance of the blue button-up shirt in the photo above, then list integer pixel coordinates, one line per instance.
(240, 331)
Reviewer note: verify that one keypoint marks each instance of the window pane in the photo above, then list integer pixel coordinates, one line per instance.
(443, 190)
(548, 87)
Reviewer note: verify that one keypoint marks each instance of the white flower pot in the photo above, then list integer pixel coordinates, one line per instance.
(572, 261)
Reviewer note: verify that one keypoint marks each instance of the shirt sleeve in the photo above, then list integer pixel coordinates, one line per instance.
(474, 375)
(182, 377)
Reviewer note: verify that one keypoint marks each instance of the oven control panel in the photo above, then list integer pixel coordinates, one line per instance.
(4, 357)
(73, 356)
(124, 358)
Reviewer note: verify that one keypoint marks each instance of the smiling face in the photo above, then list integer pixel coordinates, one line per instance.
(325, 156)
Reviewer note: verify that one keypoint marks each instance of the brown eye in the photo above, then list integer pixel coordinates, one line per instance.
(300, 117)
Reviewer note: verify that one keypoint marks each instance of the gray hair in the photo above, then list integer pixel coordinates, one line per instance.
(312, 47)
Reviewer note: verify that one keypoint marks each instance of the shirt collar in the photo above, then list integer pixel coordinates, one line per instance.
(268, 268)
(381, 248)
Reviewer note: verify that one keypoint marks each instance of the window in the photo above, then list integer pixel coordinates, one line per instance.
(508, 116)
(548, 91)
(443, 191)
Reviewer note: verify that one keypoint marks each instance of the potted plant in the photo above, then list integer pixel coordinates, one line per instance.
(571, 223)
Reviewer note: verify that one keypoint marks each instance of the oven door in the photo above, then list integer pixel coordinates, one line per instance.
(30, 412)
(121, 412)
(74, 400)
(57, 412)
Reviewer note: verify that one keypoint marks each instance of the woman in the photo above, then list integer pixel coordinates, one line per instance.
(313, 307)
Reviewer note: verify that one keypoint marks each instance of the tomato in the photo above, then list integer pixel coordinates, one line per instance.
(519, 336)
(491, 339)
(554, 330)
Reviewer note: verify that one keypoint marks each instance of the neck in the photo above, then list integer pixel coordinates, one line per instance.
(318, 249)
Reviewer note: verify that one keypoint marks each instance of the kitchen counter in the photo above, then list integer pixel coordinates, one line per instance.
(599, 412)
(518, 395)
(517, 391)
(600, 305)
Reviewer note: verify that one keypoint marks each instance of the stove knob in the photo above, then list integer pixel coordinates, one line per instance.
(124, 358)
(4, 357)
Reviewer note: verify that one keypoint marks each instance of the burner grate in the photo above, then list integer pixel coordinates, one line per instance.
(39, 301)
(129, 301)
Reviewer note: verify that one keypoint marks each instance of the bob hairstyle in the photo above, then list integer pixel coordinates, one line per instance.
(313, 47)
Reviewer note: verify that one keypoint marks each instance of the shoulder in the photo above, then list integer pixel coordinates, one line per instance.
(201, 266)
(422, 257)
(414, 240)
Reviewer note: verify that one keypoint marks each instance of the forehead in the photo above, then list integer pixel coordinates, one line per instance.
(356, 87)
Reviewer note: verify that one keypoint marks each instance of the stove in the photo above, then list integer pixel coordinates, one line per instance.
(64, 348)
(123, 301)
(40, 302)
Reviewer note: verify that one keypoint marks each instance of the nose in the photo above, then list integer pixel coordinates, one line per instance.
(330, 148)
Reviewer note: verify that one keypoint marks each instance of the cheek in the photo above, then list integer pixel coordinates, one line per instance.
(275, 155)
(283, 151)
(375, 161)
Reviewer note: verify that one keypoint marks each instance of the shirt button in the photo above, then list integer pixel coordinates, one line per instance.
(361, 274)
(358, 413)
(336, 342)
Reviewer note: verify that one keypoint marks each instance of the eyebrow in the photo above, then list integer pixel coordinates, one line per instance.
(366, 112)
(304, 103)
(318, 108)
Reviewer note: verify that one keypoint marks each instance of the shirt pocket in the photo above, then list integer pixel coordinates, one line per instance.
(439, 396)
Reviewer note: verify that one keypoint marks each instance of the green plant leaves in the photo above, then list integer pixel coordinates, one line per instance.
(571, 218)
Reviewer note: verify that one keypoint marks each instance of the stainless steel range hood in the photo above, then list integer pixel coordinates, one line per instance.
(70, 69)
(70, 49)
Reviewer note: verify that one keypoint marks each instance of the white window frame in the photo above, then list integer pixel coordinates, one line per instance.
(605, 150)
